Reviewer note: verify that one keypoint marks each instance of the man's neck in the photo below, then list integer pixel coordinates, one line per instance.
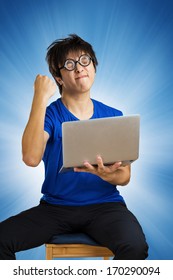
(80, 106)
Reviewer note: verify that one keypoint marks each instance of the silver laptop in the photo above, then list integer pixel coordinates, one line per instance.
(114, 139)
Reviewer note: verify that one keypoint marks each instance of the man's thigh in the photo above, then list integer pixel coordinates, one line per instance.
(113, 224)
(33, 227)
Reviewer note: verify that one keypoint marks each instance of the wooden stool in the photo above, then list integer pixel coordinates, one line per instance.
(75, 245)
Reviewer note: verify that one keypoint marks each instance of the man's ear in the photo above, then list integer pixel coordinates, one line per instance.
(59, 80)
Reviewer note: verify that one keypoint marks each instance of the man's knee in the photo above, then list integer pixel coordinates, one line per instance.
(2, 233)
(132, 251)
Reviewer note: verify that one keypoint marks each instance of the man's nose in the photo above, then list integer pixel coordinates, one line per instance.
(78, 68)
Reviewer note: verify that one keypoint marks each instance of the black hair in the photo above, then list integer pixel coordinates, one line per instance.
(58, 51)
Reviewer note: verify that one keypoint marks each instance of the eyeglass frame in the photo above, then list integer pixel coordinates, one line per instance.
(75, 62)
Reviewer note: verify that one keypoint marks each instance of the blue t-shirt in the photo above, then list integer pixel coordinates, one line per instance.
(72, 188)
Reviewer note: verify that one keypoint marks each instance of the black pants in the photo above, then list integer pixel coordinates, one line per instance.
(110, 224)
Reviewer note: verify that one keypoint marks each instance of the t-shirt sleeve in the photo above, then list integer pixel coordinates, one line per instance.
(49, 122)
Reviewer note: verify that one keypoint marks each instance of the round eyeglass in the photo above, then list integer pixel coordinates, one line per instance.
(70, 64)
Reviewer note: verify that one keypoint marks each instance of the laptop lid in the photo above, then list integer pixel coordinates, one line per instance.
(113, 138)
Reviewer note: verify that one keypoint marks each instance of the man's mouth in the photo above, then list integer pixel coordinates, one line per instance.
(81, 77)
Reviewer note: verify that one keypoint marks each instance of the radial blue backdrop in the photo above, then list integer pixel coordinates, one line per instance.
(133, 41)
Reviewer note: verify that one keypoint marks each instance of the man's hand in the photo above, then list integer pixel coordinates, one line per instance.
(115, 174)
(44, 87)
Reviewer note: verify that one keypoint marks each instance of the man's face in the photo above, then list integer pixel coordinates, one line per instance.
(78, 80)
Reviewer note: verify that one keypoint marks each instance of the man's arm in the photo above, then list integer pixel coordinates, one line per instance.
(34, 137)
(115, 174)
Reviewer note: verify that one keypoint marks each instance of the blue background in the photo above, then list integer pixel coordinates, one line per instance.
(133, 41)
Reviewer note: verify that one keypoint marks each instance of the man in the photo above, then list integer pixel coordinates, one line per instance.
(86, 199)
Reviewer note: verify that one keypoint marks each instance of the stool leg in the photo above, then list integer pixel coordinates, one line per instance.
(49, 253)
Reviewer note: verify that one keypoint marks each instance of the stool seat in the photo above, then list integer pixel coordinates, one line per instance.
(75, 245)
